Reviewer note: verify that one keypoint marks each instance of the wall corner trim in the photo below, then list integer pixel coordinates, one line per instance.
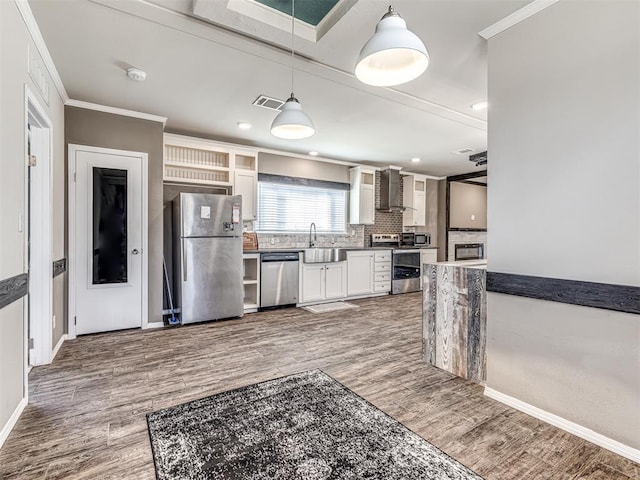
(566, 425)
(57, 347)
(153, 325)
(41, 46)
(116, 111)
(13, 419)
(515, 18)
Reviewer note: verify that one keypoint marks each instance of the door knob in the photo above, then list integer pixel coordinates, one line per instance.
(135, 251)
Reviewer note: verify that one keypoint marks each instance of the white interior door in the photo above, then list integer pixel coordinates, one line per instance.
(108, 239)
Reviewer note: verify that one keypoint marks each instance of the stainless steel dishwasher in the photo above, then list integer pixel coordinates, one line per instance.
(278, 279)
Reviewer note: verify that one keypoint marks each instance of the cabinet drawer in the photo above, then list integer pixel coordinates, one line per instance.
(382, 276)
(382, 267)
(382, 287)
(382, 256)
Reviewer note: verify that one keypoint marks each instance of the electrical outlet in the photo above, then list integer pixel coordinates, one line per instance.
(473, 217)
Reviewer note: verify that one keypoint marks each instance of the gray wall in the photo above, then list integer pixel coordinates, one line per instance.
(302, 168)
(99, 129)
(14, 44)
(563, 202)
(467, 200)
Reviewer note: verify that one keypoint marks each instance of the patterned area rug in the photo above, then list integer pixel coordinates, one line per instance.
(330, 307)
(306, 426)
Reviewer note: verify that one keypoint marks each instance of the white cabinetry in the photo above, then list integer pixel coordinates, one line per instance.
(251, 281)
(204, 162)
(368, 272)
(382, 271)
(335, 275)
(362, 197)
(195, 160)
(360, 272)
(414, 199)
(245, 182)
(322, 281)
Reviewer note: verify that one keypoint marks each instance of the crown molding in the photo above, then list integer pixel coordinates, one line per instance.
(116, 111)
(515, 18)
(41, 46)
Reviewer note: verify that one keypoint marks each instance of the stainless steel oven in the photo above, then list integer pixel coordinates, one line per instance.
(405, 261)
(469, 251)
(405, 270)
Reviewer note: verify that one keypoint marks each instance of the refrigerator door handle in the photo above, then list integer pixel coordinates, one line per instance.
(184, 260)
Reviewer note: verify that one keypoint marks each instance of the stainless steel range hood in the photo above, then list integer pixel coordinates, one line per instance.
(390, 198)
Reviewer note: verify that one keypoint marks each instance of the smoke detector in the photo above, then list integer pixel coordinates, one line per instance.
(136, 74)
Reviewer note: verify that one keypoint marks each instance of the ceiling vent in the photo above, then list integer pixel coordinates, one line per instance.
(268, 102)
(463, 151)
(479, 158)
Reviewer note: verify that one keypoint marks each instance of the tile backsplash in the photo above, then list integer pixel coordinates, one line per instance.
(301, 240)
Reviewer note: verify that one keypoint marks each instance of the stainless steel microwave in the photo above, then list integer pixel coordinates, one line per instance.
(422, 239)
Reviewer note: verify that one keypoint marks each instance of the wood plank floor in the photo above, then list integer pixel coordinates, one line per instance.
(86, 416)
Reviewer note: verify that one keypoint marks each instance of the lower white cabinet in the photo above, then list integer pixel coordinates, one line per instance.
(360, 273)
(251, 281)
(368, 272)
(322, 281)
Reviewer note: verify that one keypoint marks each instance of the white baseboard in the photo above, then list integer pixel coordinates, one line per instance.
(6, 430)
(58, 345)
(566, 425)
(153, 325)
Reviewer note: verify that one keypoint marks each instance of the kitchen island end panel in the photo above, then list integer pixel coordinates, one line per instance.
(455, 320)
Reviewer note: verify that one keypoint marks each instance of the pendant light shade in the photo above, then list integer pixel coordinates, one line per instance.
(394, 55)
(292, 123)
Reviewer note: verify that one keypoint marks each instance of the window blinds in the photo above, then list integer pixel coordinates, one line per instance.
(284, 207)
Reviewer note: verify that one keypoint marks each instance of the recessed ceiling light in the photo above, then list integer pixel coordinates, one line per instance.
(480, 105)
(136, 74)
(244, 125)
(415, 159)
(314, 153)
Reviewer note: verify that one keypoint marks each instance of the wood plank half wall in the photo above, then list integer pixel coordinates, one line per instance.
(13, 288)
(619, 298)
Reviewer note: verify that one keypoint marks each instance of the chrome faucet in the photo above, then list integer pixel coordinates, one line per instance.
(312, 243)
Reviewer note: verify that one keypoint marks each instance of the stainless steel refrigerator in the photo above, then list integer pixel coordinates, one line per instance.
(207, 251)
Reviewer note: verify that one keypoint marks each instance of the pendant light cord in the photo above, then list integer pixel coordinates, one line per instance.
(293, 13)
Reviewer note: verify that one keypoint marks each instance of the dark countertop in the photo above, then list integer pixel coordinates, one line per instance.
(299, 249)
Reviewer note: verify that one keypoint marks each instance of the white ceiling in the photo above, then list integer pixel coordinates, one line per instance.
(203, 77)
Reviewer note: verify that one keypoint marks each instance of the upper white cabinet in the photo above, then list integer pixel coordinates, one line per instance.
(245, 182)
(362, 196)
(195, 160)
(414, 198)
(205, 162)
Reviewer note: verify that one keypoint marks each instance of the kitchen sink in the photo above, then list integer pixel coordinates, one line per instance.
(324, 255)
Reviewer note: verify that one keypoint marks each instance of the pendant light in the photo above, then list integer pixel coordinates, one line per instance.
(292, 123)
(394, 55)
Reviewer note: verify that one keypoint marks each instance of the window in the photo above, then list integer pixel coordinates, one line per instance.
(290, 205)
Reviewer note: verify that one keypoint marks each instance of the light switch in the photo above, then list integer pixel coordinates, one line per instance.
(205, 211)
